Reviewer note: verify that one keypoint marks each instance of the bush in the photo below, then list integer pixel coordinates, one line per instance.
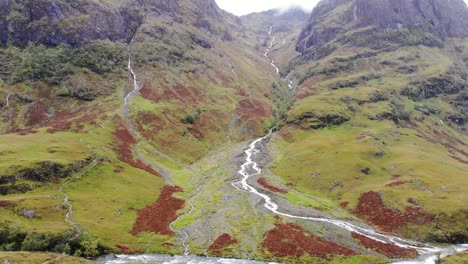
(399, 111)
(432, 87)
(35, 242)
(38, 63)
(191, 117)
(343, 84)
(101, 56)
(371, 76)
(379, 96)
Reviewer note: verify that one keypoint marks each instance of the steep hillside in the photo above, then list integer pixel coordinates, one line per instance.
(126, 127)
(68, 135)
(379, 123)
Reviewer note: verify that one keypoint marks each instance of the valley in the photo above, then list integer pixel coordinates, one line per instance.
(289, 137)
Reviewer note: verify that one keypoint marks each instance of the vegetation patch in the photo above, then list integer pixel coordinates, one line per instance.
(156, 217)
(123, 145)
(293, 240)
(263, 182)
(371, 207)
(221, 244)
(388, 250)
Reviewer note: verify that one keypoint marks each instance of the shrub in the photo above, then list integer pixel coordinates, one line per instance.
(191, 117)
(371, 76)
(379, 96)
(343, 84)
(432, 87)
(399, 111)
(101, 56)
(38, 63)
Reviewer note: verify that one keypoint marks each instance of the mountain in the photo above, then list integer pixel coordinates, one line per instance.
(127, 126)
(383, 23)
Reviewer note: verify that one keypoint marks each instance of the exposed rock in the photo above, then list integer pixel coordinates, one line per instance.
(427, 21)
(365, 170)
(29, 213)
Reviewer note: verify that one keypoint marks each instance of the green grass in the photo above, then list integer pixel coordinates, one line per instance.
(26, 151)
(36, 257)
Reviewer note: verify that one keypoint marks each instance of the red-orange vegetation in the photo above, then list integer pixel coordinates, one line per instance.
(459, 159)
(252, 108)
(450, 143)
(127, 250)
(148, 124)
(64, 120)
(36, 114)
(388, 250)
(157, 217)
(301, 96)
(220, 244)
(148, 93)
(118, 169)
(395, 183)
(293, 240)
(123, 145)
(263, 182)
(7, 204)
(362, 136)
(344, 204)
(24, 132)
(371, 207)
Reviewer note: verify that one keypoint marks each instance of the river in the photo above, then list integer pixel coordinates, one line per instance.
(429, 254)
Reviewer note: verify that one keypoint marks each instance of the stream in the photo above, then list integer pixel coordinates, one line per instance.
(428, 254)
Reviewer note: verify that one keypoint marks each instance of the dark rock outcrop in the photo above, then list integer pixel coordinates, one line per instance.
(54, 22)
(427, 21)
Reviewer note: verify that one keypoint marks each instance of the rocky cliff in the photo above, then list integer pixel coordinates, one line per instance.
(54, 22)
(424, 22)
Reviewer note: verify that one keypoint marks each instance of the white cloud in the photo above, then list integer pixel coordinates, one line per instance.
(243, 7)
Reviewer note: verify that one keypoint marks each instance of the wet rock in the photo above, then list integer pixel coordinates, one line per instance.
(315, 174)
(365, 170)
(379, 154)
(413, 201)
(29, 213)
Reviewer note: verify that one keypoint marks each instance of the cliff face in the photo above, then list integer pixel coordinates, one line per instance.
(53, 22)
(333, 19)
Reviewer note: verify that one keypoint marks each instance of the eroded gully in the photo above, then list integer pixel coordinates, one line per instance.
(429, 254)
(126, 106)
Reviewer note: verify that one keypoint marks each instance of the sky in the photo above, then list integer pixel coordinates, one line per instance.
(243, 7)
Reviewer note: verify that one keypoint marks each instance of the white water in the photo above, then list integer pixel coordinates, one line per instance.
(167, 259)
(136, 88)
(429, 254)
(166, 177)
(250, 168)
(272, 63)
(7, 100)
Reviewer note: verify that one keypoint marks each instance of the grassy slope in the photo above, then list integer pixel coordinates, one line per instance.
(327, 162)
(106, 194)
(28, 257)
